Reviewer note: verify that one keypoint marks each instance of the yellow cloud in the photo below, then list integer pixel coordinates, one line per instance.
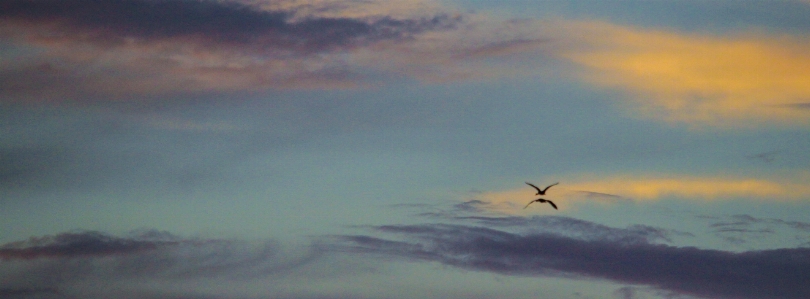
(693, 187)
(618, 188)
(693, 78)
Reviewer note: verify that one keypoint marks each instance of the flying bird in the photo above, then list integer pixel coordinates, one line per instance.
(540, 200)
(541, 192)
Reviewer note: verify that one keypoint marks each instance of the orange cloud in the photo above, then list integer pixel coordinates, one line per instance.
(696, 78)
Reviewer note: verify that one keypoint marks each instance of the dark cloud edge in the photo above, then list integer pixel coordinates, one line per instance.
(635, 260)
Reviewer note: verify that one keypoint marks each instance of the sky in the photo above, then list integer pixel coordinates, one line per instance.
(325, 149)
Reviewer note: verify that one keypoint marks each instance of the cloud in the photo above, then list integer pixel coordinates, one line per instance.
(767, 274)
(62, 50)
(700, 79)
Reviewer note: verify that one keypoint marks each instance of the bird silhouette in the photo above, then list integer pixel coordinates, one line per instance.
(540, 200)
(541, 192)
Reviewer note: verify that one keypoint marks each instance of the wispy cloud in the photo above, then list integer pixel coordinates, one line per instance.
(79, 48)
(743, 229)
(150, 264)
(766, 274)
(700, 79)
(766, 157)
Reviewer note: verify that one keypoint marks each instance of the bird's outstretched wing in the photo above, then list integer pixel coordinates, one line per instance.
(552, 204)
(527, 205)
(533, 186)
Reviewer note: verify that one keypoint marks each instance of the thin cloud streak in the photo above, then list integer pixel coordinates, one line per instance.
(768, 274)
(651, 187)
(691, 78)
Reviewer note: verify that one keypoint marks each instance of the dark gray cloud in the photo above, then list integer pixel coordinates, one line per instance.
(768, 274)
(9, 293)
(78, 244)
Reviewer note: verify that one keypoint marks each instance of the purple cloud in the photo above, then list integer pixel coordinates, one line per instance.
(767, 274)
(96, 49)
(84, 50)
(210, 23)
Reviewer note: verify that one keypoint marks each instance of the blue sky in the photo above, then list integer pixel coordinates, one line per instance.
(379, 149)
